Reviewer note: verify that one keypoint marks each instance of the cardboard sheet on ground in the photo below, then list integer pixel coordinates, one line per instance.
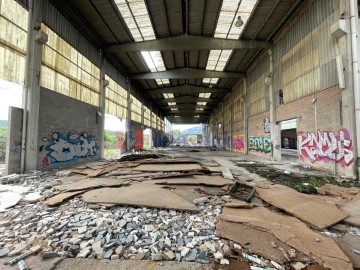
(59, 198)
(293, 232)
(312, 209)
(140, 195)
(337, 191)
(347, 243)
(256, 241)
(17, 189)
(168, 161)
(92, 183)
(167, 168)
(205, 180)
(352, 208)
(8, 199)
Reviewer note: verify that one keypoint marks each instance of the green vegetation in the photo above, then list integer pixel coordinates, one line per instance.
(3, 139)
(110, 143)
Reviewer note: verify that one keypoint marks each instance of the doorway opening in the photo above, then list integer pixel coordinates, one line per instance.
(289, 145)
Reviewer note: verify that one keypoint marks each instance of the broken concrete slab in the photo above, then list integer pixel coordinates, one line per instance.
(293, 232)
(352, 208)
(32, 197)
(92, 183)
(57, 199)
(18, 189)
(254, 240)
(337, 191)
(227, 173)
(140, 195)
(196, 180)
(348, 243)
(312, 209)
(8, 199)
(239, 204)
(172, 168)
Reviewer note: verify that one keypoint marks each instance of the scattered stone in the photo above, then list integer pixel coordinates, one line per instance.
(298, 266)
(84, 253)
(82, 230)
(18, 248)
(224, 261)
(157, 257)
(119, 250)
(218, 256)
(191, 256)
(63, 173)
(4, 252)
(48, 254)
(108, 254)
(169, 255)
(140, 256)
(201, 200)
(36, 249)
(114, 257)
(184, 252)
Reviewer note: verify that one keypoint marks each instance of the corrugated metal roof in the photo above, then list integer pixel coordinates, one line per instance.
(102, 22)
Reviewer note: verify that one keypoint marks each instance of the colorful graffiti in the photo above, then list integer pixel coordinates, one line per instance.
(326, 146)
(139, 139)
(68, 148)
(260, 144)
(239, 144)
(120, 140)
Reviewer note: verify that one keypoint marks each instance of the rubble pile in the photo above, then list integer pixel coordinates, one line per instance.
(162, 209)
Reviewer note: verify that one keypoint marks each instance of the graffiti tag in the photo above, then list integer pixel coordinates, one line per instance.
(65, 148)
(239, 144)
(260, 144)
(326, 146)
(267, 125)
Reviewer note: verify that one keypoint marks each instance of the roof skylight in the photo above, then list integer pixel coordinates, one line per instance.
(168, 95)
(174, 109)
(201, 103)
(171, 103)
(226, 28)
(204, 95)
(137, 18)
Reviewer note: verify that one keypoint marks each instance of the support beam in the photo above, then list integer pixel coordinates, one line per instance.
(102, 86)
(189, 106)
(186, 73)
(195, 112)
(187, 99)
(188, 42)
(193, 89)
(31, 98)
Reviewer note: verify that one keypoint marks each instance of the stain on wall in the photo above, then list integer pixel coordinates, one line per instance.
(68, 147)
(326, 146)
(259, 144)
(238, 143)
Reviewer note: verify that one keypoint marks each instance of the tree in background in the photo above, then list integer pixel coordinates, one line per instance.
(3, 140)
(110, 143)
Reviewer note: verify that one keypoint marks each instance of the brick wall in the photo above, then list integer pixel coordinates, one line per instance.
(68, 131)
(328, 121)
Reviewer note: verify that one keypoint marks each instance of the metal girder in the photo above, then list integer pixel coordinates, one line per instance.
(186, 73)
(195, 112)
(191, 106)
(188, 42)
(193, 89)
(188, 99)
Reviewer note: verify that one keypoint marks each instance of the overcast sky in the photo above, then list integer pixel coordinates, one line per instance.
(10, 95)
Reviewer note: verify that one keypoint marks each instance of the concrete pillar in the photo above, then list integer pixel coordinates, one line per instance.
(31, 97)
(128, 116)
(101, 115)
(246, 113)
(274, 129)
(231, 120)
(142, 115)
(347, 95)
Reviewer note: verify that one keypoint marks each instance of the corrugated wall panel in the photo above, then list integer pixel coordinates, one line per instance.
(258, 98)
(304, 57)
(57, 22)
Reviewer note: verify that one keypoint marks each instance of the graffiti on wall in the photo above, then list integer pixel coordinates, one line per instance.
(68, 148)
(139, 139)
(267, 125)
(260, 144)
(120, 140)
(238, 144)
(326, 146)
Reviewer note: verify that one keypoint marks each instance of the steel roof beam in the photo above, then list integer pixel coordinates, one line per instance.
(187, 99)
(196, 112)
(190, 106)
(186, 73)
(193, 89)
(188, 42)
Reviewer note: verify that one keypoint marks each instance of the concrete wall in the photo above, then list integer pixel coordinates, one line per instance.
(13, 147)
(68, 131)
(259, 141)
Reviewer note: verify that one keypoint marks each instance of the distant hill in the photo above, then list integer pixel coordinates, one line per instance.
(3, 123)
(192, 131)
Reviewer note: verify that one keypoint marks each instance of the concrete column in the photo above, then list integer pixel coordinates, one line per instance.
(348, 118)
(31, 95)
(231, 119)
(128, 115)
(246, 112)
(142, 115)
(101, 115)
(274, 130)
